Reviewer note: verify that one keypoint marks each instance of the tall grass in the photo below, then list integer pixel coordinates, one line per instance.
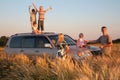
(22, 67)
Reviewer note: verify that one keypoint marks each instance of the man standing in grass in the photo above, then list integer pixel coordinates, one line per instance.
(105, 40)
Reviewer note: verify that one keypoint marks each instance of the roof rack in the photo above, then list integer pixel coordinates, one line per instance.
(33, 33)
(49, 33)
(23, 33)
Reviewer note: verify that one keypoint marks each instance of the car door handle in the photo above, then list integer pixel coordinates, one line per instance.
(37, 51)
(21, 50)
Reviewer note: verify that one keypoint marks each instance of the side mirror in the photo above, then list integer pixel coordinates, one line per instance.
(47, 45)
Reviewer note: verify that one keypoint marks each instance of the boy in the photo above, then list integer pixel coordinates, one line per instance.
(41, 18)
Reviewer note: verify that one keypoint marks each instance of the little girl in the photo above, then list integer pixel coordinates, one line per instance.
(63, 48)
(35, 28)
(81, 42)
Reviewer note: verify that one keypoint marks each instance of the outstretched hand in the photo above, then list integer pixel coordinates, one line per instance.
(33, 4)
(87, 41)
(102, 46)
(50, 7)
(29, 6)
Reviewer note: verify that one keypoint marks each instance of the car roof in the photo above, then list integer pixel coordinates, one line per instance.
(32, 34)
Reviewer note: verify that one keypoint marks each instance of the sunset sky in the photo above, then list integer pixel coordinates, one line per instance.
(67, 16)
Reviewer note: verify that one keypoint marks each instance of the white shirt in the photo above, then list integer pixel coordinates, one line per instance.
(80, 42)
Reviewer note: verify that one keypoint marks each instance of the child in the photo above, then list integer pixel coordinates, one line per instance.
(81, 42)
(41, 18)
(62, 46)
(34, 28)
(33, 13)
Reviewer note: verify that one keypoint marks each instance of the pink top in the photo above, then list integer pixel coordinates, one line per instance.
(80, 42)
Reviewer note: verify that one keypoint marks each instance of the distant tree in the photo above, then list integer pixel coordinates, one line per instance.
(116, 41)
(3, 41)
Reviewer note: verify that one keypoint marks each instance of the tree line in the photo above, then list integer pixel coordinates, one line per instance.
(3, 41)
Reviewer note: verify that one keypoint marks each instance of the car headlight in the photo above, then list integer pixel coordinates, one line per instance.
(83, 54)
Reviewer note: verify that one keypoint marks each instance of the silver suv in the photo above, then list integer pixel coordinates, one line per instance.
(29, 43)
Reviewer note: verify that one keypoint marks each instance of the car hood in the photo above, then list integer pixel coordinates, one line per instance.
(94, 48)
(74, 52)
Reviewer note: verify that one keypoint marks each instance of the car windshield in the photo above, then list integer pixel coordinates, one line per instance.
(68, 39)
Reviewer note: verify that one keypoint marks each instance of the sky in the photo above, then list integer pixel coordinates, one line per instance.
(67, 16)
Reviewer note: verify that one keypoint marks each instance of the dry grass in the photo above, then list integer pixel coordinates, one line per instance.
(21, 67)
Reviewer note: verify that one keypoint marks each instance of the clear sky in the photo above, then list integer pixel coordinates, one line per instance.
(67, 16)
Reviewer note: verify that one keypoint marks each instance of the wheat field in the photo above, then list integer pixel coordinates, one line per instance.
(22, 67)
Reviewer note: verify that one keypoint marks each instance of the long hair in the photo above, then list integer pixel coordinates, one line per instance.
(60, 37)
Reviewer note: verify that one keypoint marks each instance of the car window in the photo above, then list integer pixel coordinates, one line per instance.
(68, 39)
(28, 42)
(53, 37)
(15, 42)
(41, 41)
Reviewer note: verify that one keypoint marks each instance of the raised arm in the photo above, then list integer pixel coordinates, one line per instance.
(35, 7)
(29, 9)
(94, 41)
(49, 8)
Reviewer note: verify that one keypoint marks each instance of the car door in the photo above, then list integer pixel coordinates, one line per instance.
(37, 45)
(22, 44)
(28, 45)
(43, 45)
